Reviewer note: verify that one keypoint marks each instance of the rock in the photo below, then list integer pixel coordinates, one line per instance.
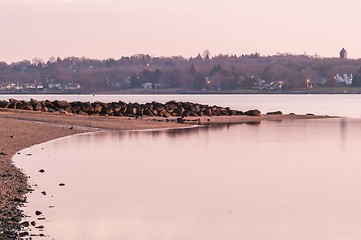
(37, 106)
(23, 234)
(75, 108)
(61, 184)
(20, 200)
(274, 113)
(97, 108)
(3, 103)
(37, 213)
(25, 224)
(87, 107)
(41, 171)
(253, 113)
(12, 103)
(61, 104)
(51, 106)
(165, 114)
(208, 112)
(180, 120)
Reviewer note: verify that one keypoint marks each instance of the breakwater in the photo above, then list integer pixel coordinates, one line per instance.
(97, 108)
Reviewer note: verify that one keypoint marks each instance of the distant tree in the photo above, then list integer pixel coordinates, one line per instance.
(356, 82)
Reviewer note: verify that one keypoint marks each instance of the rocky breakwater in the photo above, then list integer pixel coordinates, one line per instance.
(152, 109)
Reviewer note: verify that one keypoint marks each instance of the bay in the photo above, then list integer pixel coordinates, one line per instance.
(270, 181)
(291, 179)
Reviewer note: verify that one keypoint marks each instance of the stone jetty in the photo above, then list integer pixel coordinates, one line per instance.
(153, 109)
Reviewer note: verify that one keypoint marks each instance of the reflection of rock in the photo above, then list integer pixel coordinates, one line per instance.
(253, 113)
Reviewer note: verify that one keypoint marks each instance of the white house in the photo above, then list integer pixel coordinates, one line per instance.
(344, 79)
(147, 85)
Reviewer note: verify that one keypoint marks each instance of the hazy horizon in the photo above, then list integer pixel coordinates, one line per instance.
(112, 29)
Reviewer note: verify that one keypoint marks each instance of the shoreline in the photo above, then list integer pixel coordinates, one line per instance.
(20, 129)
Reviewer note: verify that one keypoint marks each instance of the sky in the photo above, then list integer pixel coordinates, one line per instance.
(114, 28)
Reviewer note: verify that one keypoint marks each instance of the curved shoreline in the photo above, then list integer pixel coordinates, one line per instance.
(21, 129)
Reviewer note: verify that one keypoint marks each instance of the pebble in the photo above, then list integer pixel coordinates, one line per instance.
(37, 213)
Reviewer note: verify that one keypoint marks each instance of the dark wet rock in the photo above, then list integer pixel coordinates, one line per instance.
(180, 120)
(253, 113)
(41, 171)
(43, 192)
(37, 213)
(19, 200)
(33, 223)
(310, 114)
(61, 184)
(23, 234)
(3, 103)
(25, 224)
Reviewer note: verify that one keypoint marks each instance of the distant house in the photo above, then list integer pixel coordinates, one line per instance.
(55, 86)
(344, 79)
(343, 54)
(147, 85)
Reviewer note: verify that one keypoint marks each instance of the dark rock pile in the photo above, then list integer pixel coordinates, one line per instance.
(169, 109)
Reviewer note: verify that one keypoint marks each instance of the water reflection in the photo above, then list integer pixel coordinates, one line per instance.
(272, 181)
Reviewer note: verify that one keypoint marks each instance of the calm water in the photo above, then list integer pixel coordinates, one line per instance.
(340, 105)
(283, 180)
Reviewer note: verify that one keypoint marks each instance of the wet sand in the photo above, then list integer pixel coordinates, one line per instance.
(21, 129)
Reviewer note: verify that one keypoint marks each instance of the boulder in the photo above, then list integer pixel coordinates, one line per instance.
(75, 108)
(208, 112)
(274, 113)
(97, 108)
(165, 114)
(37, 106)
(3, 103)
(87, 107)
(12, 103)
(49, 105)
(61, 104)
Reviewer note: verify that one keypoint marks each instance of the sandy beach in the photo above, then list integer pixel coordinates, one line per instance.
(22, 129)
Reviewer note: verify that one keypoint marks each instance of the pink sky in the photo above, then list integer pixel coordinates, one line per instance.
(115, 28)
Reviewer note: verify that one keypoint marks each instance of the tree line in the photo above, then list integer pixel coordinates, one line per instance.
(221, 72)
